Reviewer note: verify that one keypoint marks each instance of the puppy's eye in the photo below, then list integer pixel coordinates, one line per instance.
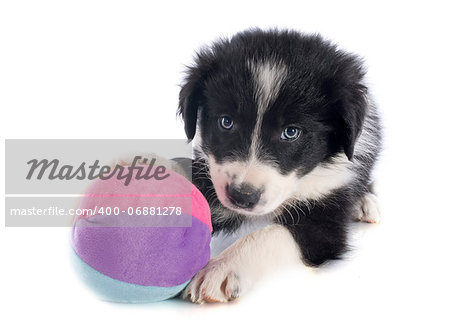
(290, 133)
(226, 122)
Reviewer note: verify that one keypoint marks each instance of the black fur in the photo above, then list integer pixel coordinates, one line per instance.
(321, 230)
(324, 95)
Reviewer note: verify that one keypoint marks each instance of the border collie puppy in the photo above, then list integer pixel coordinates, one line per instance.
(286, 136)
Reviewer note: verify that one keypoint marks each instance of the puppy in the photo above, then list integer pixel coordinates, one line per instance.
(285, 139)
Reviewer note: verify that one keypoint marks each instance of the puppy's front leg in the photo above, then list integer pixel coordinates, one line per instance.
(231, 273)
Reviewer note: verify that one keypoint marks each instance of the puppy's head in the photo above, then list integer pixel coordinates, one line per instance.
(277, 115)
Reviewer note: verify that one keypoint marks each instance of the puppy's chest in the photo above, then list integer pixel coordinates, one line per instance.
(222, 240)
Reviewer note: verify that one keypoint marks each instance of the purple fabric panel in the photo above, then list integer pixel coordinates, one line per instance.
(149, 256)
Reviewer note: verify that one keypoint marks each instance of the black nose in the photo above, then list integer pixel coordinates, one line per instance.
(243, 196)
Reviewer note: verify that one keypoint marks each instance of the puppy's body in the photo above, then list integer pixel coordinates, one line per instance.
(286, 137)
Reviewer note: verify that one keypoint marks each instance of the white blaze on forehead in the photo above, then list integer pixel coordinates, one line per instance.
(268, 77)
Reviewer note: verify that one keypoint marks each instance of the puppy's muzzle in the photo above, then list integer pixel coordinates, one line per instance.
(243, 196)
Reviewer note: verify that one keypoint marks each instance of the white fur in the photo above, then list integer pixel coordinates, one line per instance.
(268, 77)
(230, 274)
(367, 142)
(279, 188)
(222, 240)
(367, 209)
(324, 178)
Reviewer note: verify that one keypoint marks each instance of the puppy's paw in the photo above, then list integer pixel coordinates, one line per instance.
(368, 210)
(216, 282)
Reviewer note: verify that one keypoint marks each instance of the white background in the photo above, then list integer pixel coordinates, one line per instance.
(90, 69)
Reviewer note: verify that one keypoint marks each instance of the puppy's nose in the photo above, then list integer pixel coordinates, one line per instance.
(243, 196)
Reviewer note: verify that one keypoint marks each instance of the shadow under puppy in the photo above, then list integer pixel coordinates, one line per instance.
(285, 138)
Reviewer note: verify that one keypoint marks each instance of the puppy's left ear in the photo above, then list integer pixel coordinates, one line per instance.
(353, 113)
(351, 103)
(191, 93)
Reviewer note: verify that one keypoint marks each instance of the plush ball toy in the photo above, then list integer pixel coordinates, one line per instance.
(144, 241)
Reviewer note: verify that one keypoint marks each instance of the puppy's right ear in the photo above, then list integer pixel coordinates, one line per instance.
(192, 90)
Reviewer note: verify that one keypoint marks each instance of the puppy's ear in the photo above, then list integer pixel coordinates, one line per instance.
(191, 93)
(354, 110)
(350, 102)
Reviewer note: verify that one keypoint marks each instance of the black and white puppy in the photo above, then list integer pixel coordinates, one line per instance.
(286, 136)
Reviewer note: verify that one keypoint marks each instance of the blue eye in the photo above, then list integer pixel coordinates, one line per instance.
(225, 122)
(290, 133)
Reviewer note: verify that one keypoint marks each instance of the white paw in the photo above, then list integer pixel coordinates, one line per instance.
(368, 210)
(216, 282)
